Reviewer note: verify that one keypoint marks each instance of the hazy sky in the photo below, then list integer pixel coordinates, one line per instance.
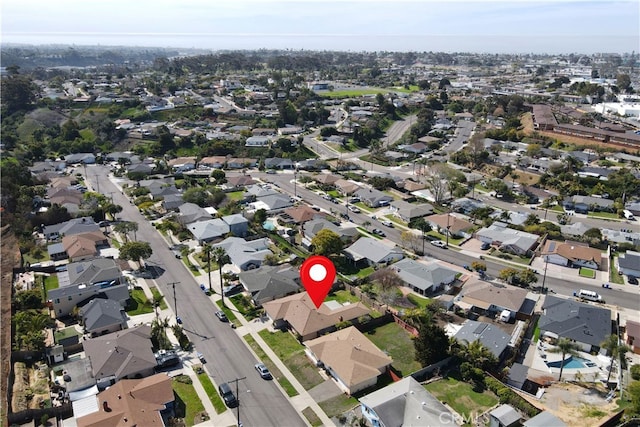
(560, 26)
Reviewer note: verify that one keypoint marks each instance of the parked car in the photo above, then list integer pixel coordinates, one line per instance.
(232, 289)
(485, 246)
(227, 395)
(354, 209)
(220, 315)
(263, 371)
(439, 243)
(378, 232)
(386, 223)
(632, 280)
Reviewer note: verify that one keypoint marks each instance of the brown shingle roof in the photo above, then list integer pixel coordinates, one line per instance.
(303, 316)
(483, 294)
(131, 403)
(302, 213)
(574, 251)
(350, 355)
(455, 224)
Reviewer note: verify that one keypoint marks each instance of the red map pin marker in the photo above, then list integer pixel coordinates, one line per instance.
(317, 274)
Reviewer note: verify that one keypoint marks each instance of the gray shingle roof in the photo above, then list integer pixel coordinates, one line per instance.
(270, 282)
(423, 276)
(373, 249)
(575, 320)
(100, 313)
(492, 337)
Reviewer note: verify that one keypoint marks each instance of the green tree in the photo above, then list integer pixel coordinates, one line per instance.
(431, 344)
(565, 347)
(616, 351)
(25, 300)
(18, 93)
(135, 251)
(634, 393)
(527, 277)
(259, 217)
(126, 227)
(196, 195)
(623, 81)
(509, 275)
(422, 225)
(326, 243)
(477, 355)
(592, 236)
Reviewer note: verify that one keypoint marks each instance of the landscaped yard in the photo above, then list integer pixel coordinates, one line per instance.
(342, 296)
(245, 306)
(235, 195)
(452, 241)
(394, 340)
(613, 274)
(51, 282)
(587, 272)
(291, 352)
(606, 215)
(419, 301)
(275, 371)
(461, 397)
(138, 303)
(194, 270)
(210, 389)
(188, 404)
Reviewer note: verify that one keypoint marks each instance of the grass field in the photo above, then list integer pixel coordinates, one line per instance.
(138, 303)
(275, 371)
(291, 352)
(587, 272)
(187, 404)
(235, 195)
(419, 301)
(210, 389)
(311, 416)
(461, 397)
(397, 343)
(192, 268)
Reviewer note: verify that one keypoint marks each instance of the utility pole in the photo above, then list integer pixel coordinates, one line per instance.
(544, 276)
(448, 226)
(295, 179)
(237, 380)
(175, 301)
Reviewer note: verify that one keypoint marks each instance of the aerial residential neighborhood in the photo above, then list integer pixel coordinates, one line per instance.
(480, 211)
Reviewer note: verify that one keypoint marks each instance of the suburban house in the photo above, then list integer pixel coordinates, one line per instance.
(256, 191)
(346, 188)
(311, 228)
(508, 239)
(268, 283)
(373, 198)
(258, 141)
(424, 278)
(85, 158)
(71, 227)
(182, 164)
(485, 297)
(82, 281)
(327, 179)
(457, 227)
(629, 263)
(408, 211)
(466, 205)
(215, 162)
(246, 255)
(278, 163)
(190, 212)
(242, 162)
(300, 214)
(78, 247)
(584, 204)
(300, 314)
(171, 202)
(134, 402)
(490, 335)
(572, 254)
(206, 231)
(405, 403)
(373, 251)
(349, 357)
(272, 203)
(238, 182)
(632, 335)
(102, 316)
(122, 354)
(585, 324)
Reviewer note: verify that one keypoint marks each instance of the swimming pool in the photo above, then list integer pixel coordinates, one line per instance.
(268, 225)
(572, 363)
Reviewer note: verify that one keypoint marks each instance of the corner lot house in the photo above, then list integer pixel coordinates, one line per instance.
(585, 324)
(405, 403)
(300, 314)
(572, 254)
(350, 358)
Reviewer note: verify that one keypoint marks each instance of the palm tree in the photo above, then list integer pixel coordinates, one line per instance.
(157, 300)
(616, 350)
(565, 346)
(477, 355)
(207, 249)
(221, 258)
(366, 224)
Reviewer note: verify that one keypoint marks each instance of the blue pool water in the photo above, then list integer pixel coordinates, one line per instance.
(269, 225)
(570, 363)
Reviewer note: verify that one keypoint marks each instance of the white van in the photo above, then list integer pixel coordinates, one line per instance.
(627, 214)
(505, 316)
(588, 295)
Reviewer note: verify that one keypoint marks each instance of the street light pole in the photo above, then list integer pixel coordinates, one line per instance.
(237, 380)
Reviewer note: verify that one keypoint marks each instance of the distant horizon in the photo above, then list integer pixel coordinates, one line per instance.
(473, 26)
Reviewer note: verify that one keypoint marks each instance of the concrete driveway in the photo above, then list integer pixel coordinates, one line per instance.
(324, 391)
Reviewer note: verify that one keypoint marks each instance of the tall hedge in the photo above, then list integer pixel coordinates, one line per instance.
(506, 395)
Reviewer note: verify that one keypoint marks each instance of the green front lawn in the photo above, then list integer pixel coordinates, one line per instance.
(210, 389)
(138, 303)
(187, 405)
(614, 277)
(338, 405)
(396, 220)
(275, 371)
(230, 314)
(353, 93)
(442, 237)
(606, 215)
(397, 343)
(291, 352)
(342, 296)
(461, 397)
(235, 195)
(312, 417)
(192, 268)
(156, 294)
(587, 272)
(245, 306)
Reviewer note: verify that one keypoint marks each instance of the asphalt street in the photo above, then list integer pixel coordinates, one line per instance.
(262, 403)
